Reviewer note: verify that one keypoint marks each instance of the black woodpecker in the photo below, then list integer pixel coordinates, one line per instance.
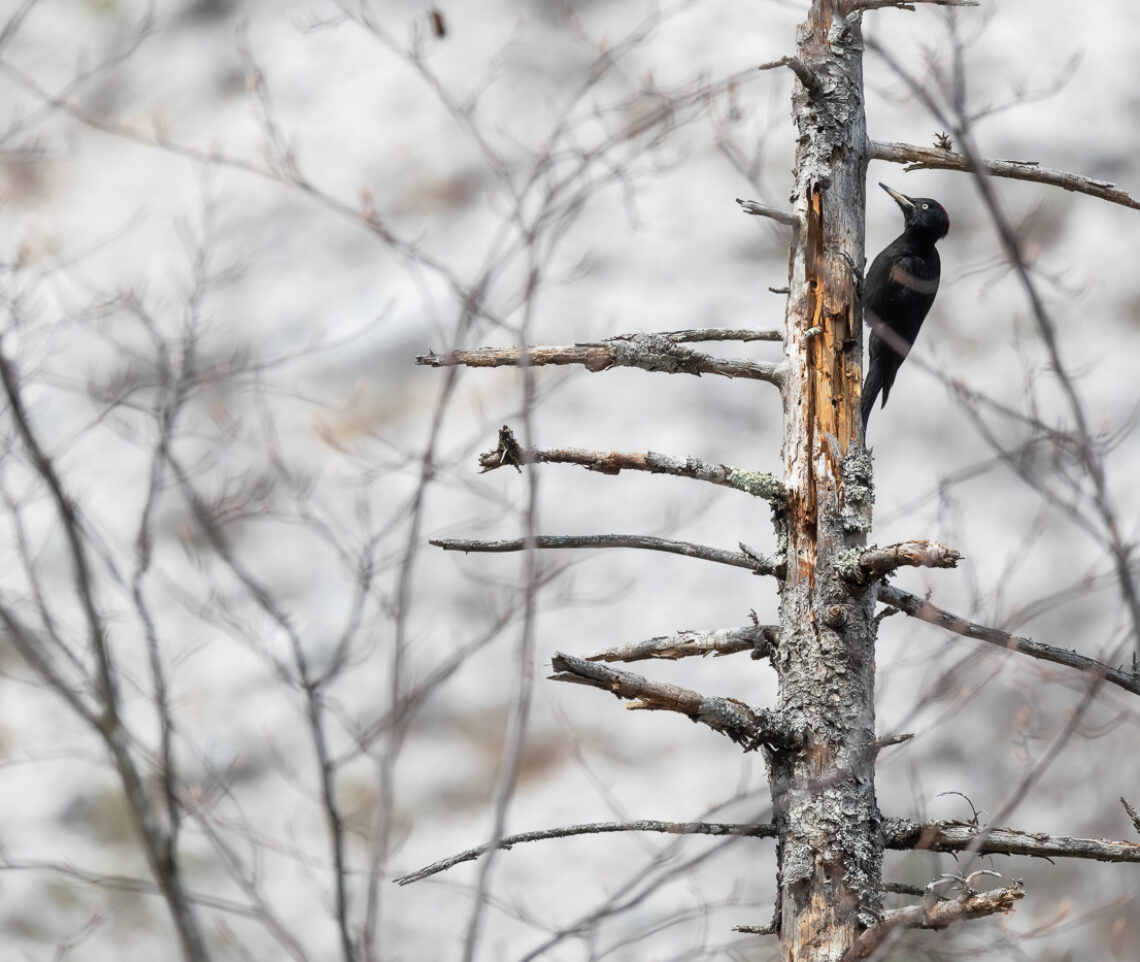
(898, 291)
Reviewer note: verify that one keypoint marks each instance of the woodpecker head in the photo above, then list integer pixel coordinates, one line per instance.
(924, 217)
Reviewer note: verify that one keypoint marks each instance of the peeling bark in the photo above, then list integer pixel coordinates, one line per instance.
(829, 847)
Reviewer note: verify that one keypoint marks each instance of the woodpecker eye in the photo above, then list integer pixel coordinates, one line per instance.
(925, 206)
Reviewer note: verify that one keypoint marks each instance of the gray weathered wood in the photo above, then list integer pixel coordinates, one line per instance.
(829, 849)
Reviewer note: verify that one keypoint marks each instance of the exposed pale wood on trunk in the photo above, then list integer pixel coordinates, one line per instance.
(829, 847)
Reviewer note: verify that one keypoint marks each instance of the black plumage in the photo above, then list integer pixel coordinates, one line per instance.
(898, 291)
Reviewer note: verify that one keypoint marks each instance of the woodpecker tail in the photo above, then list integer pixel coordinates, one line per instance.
(871, 388)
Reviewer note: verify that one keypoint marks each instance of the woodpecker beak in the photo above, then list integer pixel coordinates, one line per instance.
(902, 200)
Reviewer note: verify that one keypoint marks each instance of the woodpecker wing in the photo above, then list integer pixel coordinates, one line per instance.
(898, 292)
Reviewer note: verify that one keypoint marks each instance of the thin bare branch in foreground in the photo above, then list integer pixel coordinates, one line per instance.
(747, 726)
(753, 562)
(594, 828)
(935, 915)
(923, 610)
(934, 158)
(760, 484)
(759, 639)
(153, 834)
(646, 352)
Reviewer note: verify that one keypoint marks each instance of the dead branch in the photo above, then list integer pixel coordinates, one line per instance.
(759, 639)
(764, 210)
(864, 565)
(646, 352)
(919, 608)
(933, 158)
(757, 563)
(902, 888)
(593, 828)
(749, 727)
(710, 334)
(935, 915)
(907, 4)
(760, 484)
(899, 834)
(903, 834)
(798, 67)
(890, 740)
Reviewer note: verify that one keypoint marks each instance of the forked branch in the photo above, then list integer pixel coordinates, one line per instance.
(747, 726)
(935, 915)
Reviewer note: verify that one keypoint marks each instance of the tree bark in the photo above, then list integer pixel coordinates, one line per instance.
(828, 823)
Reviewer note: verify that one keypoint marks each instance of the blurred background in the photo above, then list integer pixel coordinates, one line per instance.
(280, 205)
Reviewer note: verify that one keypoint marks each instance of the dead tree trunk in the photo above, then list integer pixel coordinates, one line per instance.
(830, 857)
(819, 740)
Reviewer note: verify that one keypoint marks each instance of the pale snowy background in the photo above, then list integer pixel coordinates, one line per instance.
(328, 415)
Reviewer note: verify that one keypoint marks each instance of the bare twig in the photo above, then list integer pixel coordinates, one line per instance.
(646, 352)
(862, 566)
(797, 66)
(934, 158)
(764, 210)
(759, 639)
(594, 828)
(760, 484)
(747, 726)
(935, 915)
(1132, 815)
(755, 929)
(124, 883)
(8, 32)
(919, 608)
(756, 563)
(890, 740)
(306, 681)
